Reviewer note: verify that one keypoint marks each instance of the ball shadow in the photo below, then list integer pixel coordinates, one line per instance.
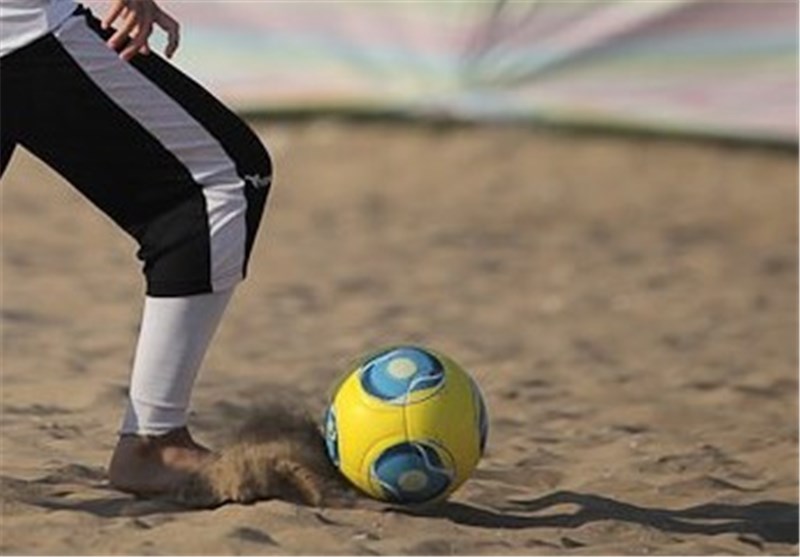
(772, 521)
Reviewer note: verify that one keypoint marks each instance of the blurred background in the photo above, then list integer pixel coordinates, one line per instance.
(591, 206)
(700, 66)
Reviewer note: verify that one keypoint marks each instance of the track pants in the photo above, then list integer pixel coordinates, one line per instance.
(148, 146)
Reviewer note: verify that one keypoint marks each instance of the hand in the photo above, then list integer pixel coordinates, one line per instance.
(138, 18)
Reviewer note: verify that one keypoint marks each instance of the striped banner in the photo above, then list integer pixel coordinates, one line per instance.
(703, 66)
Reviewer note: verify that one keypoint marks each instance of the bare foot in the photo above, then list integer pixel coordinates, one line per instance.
(155, 465)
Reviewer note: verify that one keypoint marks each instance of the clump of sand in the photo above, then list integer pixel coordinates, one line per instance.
(278, 452)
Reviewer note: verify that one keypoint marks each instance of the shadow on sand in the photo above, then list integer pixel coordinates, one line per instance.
(52, 493)
(772, 521)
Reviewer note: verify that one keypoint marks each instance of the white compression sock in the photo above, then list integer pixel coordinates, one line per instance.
(173, 339)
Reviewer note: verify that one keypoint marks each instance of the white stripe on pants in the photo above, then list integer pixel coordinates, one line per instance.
(169, 123)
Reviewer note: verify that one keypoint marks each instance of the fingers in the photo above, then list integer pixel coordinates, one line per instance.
(168, 24)
(113, 13)
(123, 33)
(138, 18)
(138, 43)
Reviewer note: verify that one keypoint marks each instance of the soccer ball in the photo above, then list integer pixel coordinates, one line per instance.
(407, 425)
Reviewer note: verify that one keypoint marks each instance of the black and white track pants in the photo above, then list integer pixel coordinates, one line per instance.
(148, 146)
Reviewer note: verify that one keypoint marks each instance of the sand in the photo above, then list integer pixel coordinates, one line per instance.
(627, 304)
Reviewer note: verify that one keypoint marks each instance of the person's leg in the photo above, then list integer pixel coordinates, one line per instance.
(8, 119)
(188, 180)
(6, 150)
(173, 339)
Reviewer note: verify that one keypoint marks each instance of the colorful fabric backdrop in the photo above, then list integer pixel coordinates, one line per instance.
(723, 68)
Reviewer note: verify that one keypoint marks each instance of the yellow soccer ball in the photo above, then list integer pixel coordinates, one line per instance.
(407, 425)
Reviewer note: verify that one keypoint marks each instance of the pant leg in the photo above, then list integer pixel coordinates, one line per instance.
(8, 124)
(173, 339)
(7, 145)
(168, 163)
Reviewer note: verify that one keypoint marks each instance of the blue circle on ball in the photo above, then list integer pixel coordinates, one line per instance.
(331, 436)
(397, 373)
(411, 473)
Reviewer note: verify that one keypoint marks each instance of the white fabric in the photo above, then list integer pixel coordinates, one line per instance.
(202, 155)
(173, 339)
(24, 21)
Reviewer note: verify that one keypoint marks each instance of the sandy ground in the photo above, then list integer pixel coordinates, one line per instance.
(628, 305)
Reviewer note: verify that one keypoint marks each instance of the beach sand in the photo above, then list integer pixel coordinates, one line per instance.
(628, 306)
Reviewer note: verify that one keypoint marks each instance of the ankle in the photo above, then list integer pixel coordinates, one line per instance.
(178, 437)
